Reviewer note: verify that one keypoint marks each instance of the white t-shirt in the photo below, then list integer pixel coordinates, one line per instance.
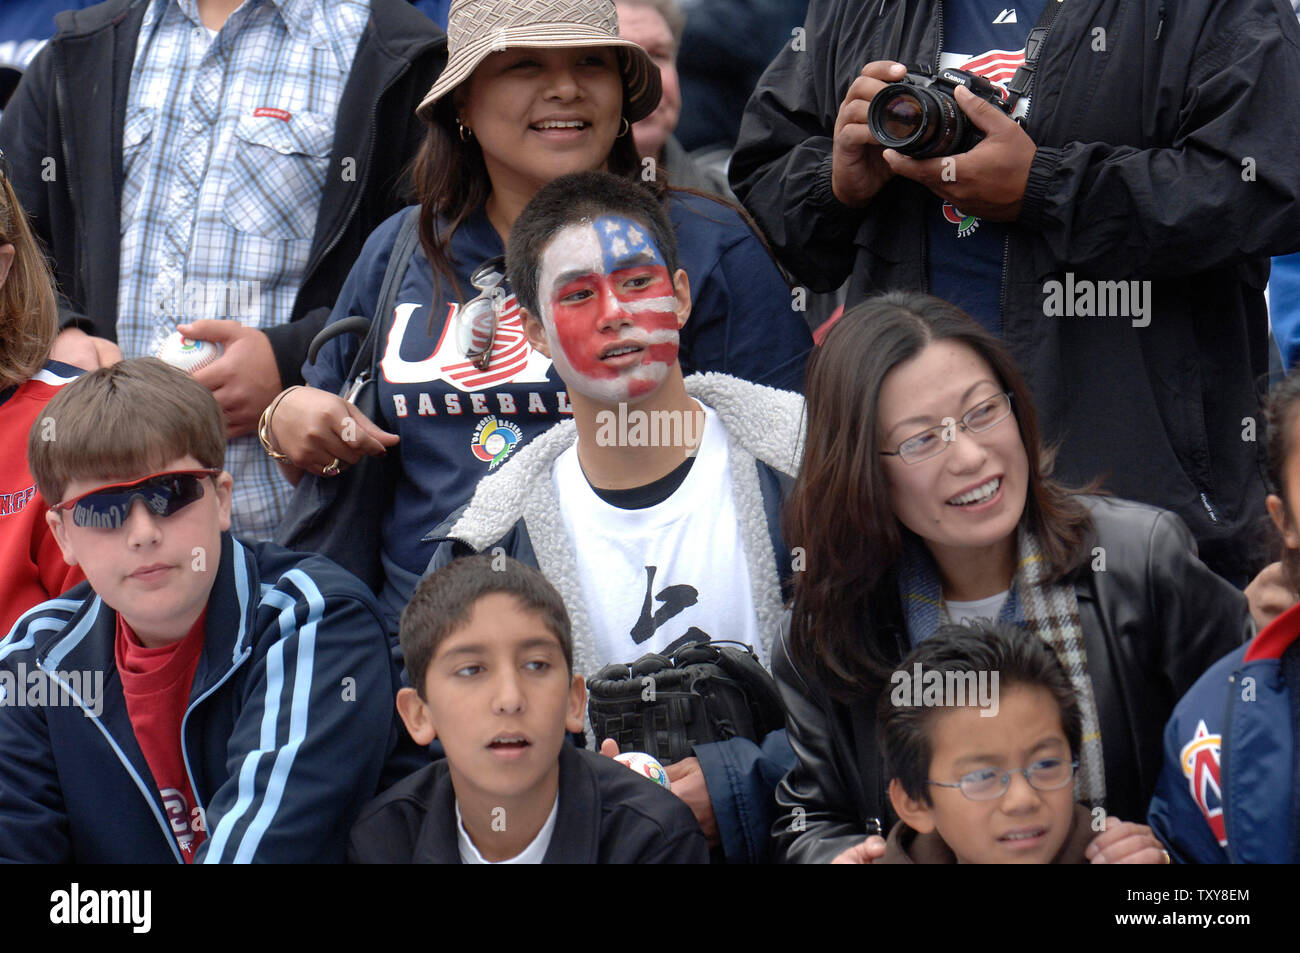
(962, 612)
(650, 575)
(532, 854)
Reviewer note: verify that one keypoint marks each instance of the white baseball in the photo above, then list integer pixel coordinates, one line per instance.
(643, 764)
(186, 353)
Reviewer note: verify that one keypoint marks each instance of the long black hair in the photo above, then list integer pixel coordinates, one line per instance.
(839, 511)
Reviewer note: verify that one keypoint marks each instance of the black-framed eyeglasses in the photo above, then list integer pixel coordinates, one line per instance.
(986, 784)
(985, 415)
(476, 323)
(164, 494)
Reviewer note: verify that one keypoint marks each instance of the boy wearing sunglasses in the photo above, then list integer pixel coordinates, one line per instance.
(247, 692)
(981, 734)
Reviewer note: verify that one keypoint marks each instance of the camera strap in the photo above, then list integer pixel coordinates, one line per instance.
(1023, 80)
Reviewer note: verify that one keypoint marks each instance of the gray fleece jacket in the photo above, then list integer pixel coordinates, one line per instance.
(518, 510)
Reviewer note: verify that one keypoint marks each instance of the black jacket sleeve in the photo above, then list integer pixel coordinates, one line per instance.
(781, 169)
(816, 816)
(1224, 189)
(1203, 617)
(37, 172)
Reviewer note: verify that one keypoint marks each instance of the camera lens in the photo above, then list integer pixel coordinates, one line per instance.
(920, 121)
(904, 117)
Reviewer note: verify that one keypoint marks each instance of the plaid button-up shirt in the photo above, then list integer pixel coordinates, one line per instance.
(226, 148)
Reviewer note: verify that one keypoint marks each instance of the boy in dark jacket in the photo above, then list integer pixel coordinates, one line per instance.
(196, 699)
(488, 644)
(981, 734)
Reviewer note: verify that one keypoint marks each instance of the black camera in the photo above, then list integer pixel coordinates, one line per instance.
(920, 118)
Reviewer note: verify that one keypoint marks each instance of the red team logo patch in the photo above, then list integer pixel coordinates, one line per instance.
(272, 112)
(1200, 761)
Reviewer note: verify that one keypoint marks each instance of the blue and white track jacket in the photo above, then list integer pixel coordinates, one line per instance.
(289, 722)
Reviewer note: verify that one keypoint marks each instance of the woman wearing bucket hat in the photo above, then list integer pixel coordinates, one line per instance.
(531, 90)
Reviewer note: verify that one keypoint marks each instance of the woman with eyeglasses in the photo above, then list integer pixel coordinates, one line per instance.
(925, 498)
(31, 567)
(530, 92)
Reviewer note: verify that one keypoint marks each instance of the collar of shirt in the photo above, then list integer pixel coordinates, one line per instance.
(534, 853)
(297, 14)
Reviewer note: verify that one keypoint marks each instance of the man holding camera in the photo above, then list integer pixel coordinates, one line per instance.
(1115, 232)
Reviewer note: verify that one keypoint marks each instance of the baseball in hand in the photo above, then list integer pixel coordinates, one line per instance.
(186, 353)
(642, 763)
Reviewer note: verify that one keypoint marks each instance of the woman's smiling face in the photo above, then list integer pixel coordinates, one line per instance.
(541, 113)
(972, 495)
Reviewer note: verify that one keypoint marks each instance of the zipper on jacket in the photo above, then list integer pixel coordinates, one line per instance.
(1002, 294)
(1224, 738)
(117, 750)
(67, 165)
(185, 751)
(1209, 507)
(938, 50)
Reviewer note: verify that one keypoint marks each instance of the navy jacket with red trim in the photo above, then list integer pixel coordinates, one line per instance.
(1230, 789)
(285, 736)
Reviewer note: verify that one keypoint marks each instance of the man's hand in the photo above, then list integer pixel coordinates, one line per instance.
(1123, 842)
(858, 170)
(687, 779)
(74, 346)
(1269, 595)
(989, 180)
(870, 850)
(609, 747)
(244, 378)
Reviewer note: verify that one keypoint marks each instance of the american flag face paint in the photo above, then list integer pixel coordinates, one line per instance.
(609, 309)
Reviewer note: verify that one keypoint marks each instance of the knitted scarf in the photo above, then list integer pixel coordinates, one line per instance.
(1050, 612)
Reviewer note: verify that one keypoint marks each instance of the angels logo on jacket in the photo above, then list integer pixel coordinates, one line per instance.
(1200, 761)
(178, 815)
(494, 440)
(513, 358)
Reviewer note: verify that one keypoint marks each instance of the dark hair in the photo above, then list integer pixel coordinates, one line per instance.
(1280, 415)
(29, 317)
(573, 198)
(1017, 657)
(444, 600)
(451, 182)
(131, 417)
(839, 510)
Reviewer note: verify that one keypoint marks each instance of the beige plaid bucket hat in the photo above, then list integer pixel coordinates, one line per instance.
(476, 28)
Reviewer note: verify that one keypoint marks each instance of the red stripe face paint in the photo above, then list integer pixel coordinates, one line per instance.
(609, 309)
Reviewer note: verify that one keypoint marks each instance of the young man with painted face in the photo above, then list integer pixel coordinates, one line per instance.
(654, 511)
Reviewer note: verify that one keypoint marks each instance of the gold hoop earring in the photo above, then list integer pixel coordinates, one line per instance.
(465, 132)
(624, 131)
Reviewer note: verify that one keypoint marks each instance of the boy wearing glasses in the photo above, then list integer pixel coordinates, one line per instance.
(196, 699)
(981, 733)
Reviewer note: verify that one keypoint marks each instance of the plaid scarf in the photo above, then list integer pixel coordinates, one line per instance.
(1050, 612)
